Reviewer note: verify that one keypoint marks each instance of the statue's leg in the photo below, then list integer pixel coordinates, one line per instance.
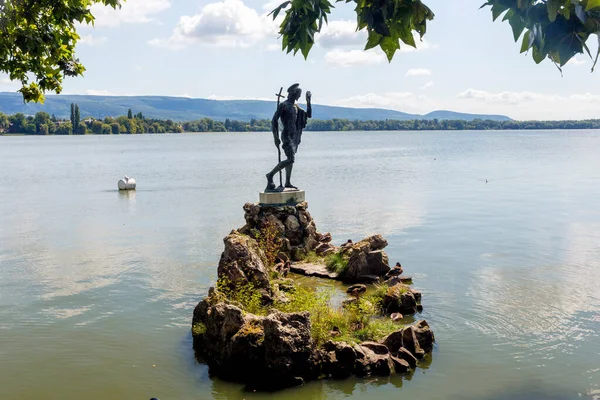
(274, 171)
(288, 168)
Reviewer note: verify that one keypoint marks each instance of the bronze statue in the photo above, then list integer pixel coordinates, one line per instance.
(294, 119)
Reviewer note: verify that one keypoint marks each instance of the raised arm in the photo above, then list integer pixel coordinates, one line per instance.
(308, 105)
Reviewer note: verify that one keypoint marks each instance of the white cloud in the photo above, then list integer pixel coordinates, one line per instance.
(352, 58)
(427, 85)
(530, 105)
(506, 97)
(576, 62)
(585, 97)
(271, 5)
(7, 85)
(131, 12)
(225, 97)
(94, 92)
(418, 72)
(229, 23)
(340, 34)
(274, 47)
(400, 101)
(90, 40)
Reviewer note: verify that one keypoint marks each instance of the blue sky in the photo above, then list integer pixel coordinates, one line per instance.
(230, 49)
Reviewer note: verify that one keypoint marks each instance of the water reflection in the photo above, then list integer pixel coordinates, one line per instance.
(509, 270)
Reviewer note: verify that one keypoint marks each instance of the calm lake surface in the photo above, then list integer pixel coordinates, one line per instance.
(97, 287)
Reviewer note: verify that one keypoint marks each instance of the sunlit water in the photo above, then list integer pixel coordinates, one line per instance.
(97, 287)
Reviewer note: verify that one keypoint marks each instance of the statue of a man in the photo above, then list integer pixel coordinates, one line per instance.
(294, 119)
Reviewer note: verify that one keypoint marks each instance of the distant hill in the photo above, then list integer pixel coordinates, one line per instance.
(451, 115)
(186, 109)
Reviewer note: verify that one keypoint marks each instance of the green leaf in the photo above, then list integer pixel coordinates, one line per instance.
(526, 42)
(497, 10)
(373, 40)
(517, 25)
(538, 55)
(592, 4)
(553, 6)
(389, 46)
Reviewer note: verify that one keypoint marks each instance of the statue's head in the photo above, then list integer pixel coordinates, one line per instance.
(294, 92)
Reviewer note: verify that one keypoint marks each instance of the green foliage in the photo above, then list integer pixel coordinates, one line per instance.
(336, 263)
(64, 128)
(76, 120)
(356, 323)
(37, 42)
(269, 239)
(553, 29)
(313, 258)
(386, 22)
(20, 124)
(246, 295)
(317, 303)
(198, 329)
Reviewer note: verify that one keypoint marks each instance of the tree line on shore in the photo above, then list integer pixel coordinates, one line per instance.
(44, 124)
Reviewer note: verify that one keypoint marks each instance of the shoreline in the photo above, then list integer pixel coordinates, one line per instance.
(313, 131)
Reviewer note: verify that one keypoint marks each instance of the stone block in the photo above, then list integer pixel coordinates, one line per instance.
(279, 198)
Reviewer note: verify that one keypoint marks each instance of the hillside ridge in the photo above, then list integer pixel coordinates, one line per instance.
(188, 109)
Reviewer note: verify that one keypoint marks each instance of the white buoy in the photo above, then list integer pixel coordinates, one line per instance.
(127, 183)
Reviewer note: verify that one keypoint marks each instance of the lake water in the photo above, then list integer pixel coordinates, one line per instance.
(97, 287)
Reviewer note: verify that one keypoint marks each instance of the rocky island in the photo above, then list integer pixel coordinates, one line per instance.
(260, 327)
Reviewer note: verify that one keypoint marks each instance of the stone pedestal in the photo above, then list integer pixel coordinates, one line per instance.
(282, 198)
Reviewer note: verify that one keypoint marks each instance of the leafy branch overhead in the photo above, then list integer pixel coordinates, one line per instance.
(37, 42)
(554, 29)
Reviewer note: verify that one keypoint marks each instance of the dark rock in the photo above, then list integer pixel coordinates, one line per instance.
(310, 243)
(376, 242)
(417, 295)
(243, 262)
(411, 343)
(400, 366)
(407, 356)
(324, 238)
(375, 347)
(293, 230)
(370, 363)
(424, 335)
(366, 260)
(272, 220)
(302, 206)
(393, 341)
(399, 299)
(378, 263)
(288, 345)
(323, 249)
(298, 253)
(340, 359)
